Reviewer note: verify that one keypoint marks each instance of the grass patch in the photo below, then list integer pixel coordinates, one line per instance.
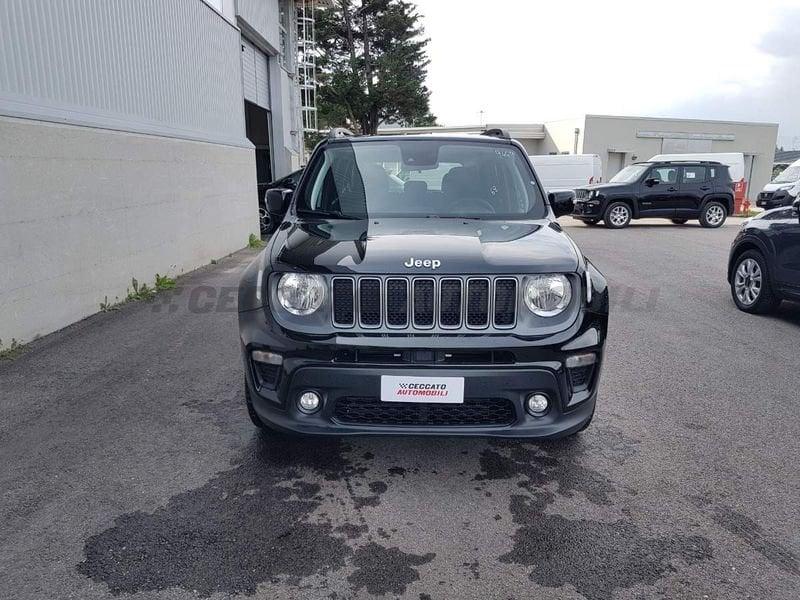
(139, 291)
(14, 350)
(163, 283)
(254, 241)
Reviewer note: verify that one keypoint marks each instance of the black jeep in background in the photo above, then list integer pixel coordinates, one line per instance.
(676, 190)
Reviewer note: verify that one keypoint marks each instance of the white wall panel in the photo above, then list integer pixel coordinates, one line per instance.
(167, 67)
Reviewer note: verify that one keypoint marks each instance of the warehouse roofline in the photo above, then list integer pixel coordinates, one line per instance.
(683, 120)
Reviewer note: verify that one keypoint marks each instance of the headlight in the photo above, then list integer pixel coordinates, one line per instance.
(548, 295)
(301, 294)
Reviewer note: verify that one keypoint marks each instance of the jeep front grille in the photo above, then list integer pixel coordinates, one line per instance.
(421, 303)
(581, 194)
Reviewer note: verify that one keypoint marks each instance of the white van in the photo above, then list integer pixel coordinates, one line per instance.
(734, 160)
(783, 190)
(567, 171)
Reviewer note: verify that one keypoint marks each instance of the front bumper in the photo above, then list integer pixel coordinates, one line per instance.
(503, 369)
(774, 200)
(586, 210)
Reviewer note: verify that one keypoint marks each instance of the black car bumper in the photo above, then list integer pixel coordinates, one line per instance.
(774, 200)
(586, 210)
(499, 373)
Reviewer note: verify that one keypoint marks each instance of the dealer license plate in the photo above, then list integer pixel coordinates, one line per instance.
(442, 390)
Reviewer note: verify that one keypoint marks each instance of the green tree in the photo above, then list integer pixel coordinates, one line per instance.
(372, 66)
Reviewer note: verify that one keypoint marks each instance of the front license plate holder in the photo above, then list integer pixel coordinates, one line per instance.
(433, 390)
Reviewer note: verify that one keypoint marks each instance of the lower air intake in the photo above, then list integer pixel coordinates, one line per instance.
(475, 412)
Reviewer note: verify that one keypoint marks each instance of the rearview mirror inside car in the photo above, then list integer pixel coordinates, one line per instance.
(563, 202)
(278, 201)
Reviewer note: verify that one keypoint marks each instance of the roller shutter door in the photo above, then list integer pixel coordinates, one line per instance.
(255, 77)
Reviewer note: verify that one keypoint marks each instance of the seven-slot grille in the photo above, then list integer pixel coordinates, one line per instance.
(581, 194)
(424, 302)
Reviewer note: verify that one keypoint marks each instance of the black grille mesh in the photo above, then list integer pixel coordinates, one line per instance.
(430, 302)
(505, 302)
(477, 302)
(450, 303)
(581, 377)
(343, 302)
(397, 302)
(370, 302)
(423, 302)
(474, 412)
(267, 374)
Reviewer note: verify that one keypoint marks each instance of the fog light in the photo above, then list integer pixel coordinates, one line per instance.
(309, 402)
(537, 404)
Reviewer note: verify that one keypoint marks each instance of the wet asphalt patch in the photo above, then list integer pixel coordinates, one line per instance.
(261, 522)
(596, 558)
(246, 526)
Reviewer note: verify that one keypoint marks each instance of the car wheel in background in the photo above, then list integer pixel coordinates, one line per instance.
(750, 284)
(591, 222)
(713, 215)
(617, 215)
(679, 221)
(263, 219)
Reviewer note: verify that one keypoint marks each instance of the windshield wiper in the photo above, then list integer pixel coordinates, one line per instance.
(329, 214)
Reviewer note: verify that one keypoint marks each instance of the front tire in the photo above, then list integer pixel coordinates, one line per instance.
(713, 215)
(751, 285)
(617, 216)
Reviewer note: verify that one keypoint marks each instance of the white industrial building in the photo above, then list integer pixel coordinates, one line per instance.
(133, 135)
(620, 141)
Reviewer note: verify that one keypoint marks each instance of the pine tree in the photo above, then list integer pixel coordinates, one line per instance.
(372, 66)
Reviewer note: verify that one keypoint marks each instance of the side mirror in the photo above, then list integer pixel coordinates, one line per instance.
(563, 203)
(651, 181)
(278, 201)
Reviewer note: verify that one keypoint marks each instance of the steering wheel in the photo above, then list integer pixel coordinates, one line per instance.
(483, 206)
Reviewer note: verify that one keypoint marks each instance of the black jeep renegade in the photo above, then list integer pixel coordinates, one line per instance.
(676, 190)
(421, 285)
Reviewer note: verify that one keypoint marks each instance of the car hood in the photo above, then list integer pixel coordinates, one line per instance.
(392, 246)
(774, 187)
(603, 186)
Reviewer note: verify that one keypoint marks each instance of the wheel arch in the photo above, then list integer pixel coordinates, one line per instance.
(724, 199)
(630, 201)
(741, 248)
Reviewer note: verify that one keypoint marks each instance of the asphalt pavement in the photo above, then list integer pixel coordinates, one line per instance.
(129, 469)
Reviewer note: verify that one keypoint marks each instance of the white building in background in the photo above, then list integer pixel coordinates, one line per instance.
(133, 135)
(620, 141)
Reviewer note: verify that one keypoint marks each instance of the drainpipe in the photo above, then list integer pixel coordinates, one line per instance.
(577, 133)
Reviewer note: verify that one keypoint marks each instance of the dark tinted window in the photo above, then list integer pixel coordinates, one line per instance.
(422, 178)
(664, 174)
(693, 175)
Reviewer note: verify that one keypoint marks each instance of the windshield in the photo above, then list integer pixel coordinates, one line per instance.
(629, 174)
(789, 175)
(421, 178)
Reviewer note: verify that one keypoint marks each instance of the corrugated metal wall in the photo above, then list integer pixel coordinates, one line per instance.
(166, 67)
(255, 77)
(262, 17)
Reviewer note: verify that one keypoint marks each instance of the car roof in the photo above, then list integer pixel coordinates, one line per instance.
(680, 162)
(427, 137)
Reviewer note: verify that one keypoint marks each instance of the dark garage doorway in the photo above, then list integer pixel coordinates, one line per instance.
(257, 129)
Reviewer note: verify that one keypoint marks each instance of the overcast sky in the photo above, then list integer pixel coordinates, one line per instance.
(532, 61)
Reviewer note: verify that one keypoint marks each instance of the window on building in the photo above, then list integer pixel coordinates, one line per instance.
(693, 175)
